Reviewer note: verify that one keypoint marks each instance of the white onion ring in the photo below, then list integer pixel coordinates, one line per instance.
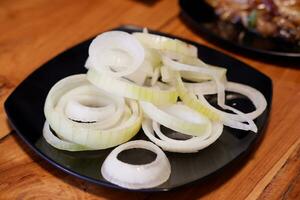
(88, 109)
(156, 127)
(136, 176)
(60, 143)
(166, 44)
(113, 128)
(256, 97)
(179, 117)
(219, 78)
(191, 145)
(115, 53)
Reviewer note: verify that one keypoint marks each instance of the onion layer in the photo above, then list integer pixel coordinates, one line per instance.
(164, 43)
(120, 118)
(59, 143)
(191, 145)
(178, 117)
(136, 176)
(121, 87)
(253, 94)
(115, 53)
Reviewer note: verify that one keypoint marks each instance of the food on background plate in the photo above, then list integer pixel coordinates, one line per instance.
(269, 18)
(143, 81)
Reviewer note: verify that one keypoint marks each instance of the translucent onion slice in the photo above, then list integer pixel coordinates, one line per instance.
(124, 88)
(218, 76)
(164, 43)
(88, 63)
(193, 68)
(92, 93)
(180, 118)
(200, 104)
(253, 94)
(97, 109)
(191, 145)
(59, 143)
(136, 176)
(148, 69)
(155, 76)
(117, 127)
(115, 53)
(141, 74)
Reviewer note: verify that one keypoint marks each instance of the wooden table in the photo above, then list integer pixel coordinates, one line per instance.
(34, 31)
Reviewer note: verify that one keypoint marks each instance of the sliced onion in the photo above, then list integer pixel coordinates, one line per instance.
(179, 117)
(254, 95)
(136, 176)
(90, 112)
(153, 57)
(200, 104)
(77, 109)
(88, 63)
(91, 92)
(192, 68)
(218, 77)
(164, 43)
(123, 88)
(115, 53)
(191, 145)
(59, 143)
(155, 76)
(117, 127)
(139, 77)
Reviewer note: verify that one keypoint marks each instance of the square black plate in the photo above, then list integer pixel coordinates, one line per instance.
(24, 108)
(201, 18)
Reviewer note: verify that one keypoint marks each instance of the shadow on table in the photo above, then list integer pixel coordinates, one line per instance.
(147, 2)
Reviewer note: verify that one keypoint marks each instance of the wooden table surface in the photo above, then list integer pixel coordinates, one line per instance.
(34, 31)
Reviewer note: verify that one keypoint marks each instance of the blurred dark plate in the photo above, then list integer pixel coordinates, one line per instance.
(24, 108)
(201, 18)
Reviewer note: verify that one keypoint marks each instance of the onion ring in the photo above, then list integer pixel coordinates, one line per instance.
(136, 176)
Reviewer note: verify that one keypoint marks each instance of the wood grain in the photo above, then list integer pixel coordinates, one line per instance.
(36, 30)
(283, 179)
(5, 88)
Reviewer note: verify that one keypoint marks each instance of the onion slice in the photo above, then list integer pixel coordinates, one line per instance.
(136, 176)
(256, 97)
(201, 104)
(98, 109)
(116, 120)
(115, 53)
(59, 143)
(180, 118)
(159, 42)
(124, 88)
(191, 145)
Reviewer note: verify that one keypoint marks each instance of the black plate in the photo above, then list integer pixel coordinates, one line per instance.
(201, 18)
(24, 108)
